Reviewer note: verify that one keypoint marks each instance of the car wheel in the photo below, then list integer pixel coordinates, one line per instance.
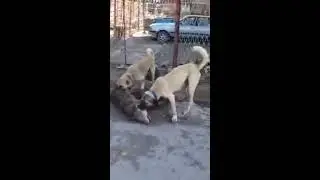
(163, 36)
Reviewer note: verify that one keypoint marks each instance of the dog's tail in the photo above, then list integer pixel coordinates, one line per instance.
(205, 56)
(150, 52)
(153, 63)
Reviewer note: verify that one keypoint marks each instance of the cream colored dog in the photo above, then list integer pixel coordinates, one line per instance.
(184, 76)
(138, 71)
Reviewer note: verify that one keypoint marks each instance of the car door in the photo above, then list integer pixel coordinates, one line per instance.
(187, 26)
(203, 27)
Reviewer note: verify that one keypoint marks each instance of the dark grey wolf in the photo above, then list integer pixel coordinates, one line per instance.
(124, 100)
(128, 99)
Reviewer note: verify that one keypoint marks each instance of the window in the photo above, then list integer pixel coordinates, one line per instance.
(168, 19)
(189, 21)
(203, 21)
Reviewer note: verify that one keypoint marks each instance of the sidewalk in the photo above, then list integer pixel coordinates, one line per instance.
(161, 150)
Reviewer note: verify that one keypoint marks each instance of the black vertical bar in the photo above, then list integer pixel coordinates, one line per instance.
(115, 15)
(176, 36)
(143, 14)
(139, 15)
(124, 31)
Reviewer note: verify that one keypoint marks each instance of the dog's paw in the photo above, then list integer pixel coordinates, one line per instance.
(174, 118)
(183, 116)
(184, 113)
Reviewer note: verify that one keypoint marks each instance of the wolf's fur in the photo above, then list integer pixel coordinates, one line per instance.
(123, 99)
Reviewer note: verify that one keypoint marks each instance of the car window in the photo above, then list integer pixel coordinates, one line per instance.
(203, 21)
(188, 21)
(164, 20)
(169, 20)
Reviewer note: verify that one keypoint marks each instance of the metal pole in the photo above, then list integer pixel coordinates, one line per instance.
(114, 15)
(124, 32)
(190, 6)
(130, 15)
(143, 14)
(176, 36)
(139, 15)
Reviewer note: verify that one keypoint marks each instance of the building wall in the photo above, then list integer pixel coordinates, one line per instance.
(200, 7)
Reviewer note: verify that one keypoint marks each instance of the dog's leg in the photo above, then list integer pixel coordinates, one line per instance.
(153, 68)
(186, 88)
(153, 71)
(173, 108)
(142, 84)
(187, 93)
(193, 83)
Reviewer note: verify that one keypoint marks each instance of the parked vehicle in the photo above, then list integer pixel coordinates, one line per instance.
(163, 20)
(191, 26)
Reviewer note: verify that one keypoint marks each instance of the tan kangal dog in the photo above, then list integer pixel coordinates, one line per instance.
(138, 71)
(185, 76)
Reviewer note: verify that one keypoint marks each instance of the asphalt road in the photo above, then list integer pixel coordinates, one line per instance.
(162, 150)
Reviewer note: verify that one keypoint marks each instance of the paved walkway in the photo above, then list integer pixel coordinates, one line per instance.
(162, 150)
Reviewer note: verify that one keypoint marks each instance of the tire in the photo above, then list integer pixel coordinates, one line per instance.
(163, 36)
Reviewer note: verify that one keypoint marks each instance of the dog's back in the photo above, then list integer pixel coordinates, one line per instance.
(144, 64)
(138, 71)
(176, 79)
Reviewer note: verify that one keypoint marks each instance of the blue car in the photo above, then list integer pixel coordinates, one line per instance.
(191, 26)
